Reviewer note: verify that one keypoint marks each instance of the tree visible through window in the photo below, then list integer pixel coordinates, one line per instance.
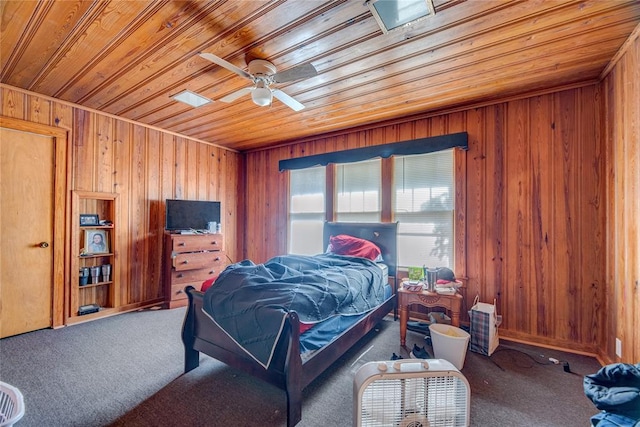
(424, 208)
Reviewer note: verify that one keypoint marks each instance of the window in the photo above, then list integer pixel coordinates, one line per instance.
(358, 189)
(421, 196)
(306, 210)
(424, 207)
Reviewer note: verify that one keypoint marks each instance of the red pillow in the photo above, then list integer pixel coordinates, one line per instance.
(304, 327)
(344, 244)
(207, 283)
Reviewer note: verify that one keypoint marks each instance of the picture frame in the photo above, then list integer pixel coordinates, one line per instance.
(96, 242)
(89, 220)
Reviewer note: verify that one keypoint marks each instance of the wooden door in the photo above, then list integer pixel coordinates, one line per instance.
(26, 231)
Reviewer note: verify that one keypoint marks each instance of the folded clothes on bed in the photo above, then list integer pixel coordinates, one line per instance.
(250, 301)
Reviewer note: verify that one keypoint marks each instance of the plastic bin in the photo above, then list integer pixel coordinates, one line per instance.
(449, 343)
(11, 405)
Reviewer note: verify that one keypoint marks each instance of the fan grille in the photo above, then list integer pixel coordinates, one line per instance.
(415, 402)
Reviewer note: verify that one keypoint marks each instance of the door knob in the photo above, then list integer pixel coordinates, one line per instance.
(43, 244)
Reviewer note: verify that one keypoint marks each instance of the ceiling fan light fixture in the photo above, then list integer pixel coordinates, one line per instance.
(261, 96)
(399, 14)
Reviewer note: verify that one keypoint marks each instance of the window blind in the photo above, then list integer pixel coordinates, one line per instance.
(306, 210)
(358, 187)
(424, 207)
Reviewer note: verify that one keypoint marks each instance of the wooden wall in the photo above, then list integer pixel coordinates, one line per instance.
(144, 166)
(621, 94)
(533, 225)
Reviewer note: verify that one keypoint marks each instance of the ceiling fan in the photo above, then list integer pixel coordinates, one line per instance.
(263, 74)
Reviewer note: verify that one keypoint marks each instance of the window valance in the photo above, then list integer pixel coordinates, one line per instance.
(414, 146)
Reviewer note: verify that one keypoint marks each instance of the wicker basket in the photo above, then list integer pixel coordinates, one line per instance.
(11, 405)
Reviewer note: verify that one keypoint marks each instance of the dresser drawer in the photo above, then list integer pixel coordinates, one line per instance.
(178, 293)
(199, 276)
(191, 243)
(197, 260)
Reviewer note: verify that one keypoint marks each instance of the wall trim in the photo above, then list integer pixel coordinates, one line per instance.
(113, 116)
(621, 52)
(429, 114)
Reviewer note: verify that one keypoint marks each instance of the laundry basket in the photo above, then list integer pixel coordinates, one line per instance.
(11, 405)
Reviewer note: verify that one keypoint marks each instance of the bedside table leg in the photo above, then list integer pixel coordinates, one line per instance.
(404, 317)
(455, 318)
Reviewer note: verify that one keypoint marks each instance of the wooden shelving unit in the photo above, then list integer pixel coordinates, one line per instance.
(103, 290)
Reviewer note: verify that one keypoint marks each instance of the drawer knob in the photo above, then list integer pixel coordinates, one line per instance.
(217, 258)
(181, 244)
(186, 261)
(181, 291)
(214, 243)
(180, 275)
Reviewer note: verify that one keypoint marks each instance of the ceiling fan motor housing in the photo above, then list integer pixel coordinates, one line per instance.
(260, 66)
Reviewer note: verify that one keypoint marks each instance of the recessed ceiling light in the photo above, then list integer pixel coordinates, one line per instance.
(398, 14)
(191, 98)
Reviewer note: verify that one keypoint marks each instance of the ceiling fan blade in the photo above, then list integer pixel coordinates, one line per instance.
(237, 94)
(287, 100)
(229, 66)
(302, 71)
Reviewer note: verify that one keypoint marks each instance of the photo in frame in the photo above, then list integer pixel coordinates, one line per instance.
(89, 220)
(96, 242)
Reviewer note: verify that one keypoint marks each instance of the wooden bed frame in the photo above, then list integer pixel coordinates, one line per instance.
(287, 369)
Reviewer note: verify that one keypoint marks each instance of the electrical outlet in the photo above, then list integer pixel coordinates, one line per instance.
(618, 347)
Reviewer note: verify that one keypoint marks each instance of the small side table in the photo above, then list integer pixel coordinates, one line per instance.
(453, 303)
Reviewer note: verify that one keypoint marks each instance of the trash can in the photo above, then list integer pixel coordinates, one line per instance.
(449, 343)
(11, 405)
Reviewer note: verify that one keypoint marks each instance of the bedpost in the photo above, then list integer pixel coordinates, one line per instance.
(191, 356)
(293, 369)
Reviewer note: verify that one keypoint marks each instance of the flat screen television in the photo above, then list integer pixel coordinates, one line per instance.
(191, 214)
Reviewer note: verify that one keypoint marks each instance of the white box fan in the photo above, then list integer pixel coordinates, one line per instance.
(410, 393)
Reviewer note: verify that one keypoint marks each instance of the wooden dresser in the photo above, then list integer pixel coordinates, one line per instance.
(190, 259)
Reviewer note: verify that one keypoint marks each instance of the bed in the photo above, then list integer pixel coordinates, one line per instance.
(288, 368)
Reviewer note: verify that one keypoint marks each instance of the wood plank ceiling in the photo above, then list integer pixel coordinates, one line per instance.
(127, 57)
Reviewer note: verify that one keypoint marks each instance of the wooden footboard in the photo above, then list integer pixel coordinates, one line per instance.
(286, 371)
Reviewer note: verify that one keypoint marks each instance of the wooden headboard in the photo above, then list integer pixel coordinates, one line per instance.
(383, 234)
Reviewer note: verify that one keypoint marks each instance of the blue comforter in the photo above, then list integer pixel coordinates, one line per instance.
(250, 301)
(615, 389)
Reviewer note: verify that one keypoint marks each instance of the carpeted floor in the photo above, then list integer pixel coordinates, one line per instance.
(127, 371)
